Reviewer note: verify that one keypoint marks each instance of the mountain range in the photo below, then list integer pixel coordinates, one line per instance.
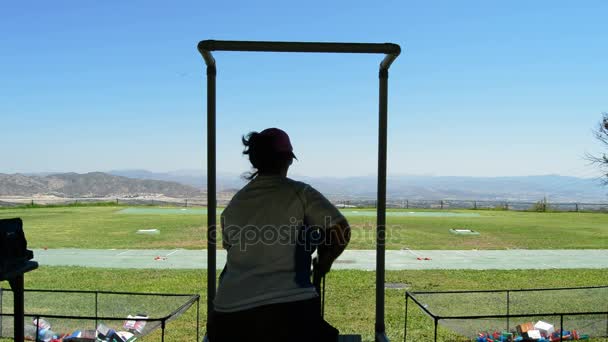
(94, 184)
(521, 188)
(192, 184)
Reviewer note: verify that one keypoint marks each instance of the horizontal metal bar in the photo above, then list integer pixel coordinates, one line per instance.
(524, 315)
(391, 50)
(266, 46)
(186, 305)
(90, 318)
(110, 292)
(420, 304)
(413, 293)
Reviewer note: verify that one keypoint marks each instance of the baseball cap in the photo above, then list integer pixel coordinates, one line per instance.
(279, 140)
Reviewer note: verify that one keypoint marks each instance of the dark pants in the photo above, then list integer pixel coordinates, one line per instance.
(285, 322)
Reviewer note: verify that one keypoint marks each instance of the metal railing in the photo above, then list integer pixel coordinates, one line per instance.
(541, 205)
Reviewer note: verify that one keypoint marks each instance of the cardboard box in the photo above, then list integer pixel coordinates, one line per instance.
(525, 327)
(544, 328)
(533, 335)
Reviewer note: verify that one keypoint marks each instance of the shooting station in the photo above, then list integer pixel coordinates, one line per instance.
(391, 52)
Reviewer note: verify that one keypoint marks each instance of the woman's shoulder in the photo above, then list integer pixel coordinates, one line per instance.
(297, 184)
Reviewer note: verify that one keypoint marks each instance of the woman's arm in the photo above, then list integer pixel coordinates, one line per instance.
(335, 242)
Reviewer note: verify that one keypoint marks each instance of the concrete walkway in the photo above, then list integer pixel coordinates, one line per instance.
(350, 259)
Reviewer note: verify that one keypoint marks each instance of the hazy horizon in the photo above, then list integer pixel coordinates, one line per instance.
(292, 174)
(532, 187)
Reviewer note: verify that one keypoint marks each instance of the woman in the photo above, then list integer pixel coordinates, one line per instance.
(270, 229)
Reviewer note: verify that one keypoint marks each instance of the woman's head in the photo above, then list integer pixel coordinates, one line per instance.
(269, 151)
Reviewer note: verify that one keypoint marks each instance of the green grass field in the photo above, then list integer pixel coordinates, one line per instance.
(106, 227)
(350, 294)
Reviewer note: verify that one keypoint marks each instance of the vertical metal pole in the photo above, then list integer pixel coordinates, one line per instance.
(211, 196)
(381, 201)
(508, 309)
(96, 308)
(37, 318)
(435, 329)
(17, 287)
(198, 315)
(323, 298)
(1, 294)
(162, 329)
(407, 297)
(561, 328)
(606, 326)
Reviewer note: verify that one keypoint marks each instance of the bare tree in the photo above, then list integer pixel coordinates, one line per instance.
(601, 134)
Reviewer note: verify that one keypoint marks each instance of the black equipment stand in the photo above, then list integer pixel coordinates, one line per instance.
(15, 279)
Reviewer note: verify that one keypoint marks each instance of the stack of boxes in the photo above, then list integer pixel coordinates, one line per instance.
(535, 332)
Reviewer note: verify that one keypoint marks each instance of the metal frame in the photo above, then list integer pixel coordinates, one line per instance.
(191, 299)
(507, 316)
(391, 51)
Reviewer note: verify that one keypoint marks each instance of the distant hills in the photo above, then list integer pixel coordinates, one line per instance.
(192, 183)
(188, 177)
(94, 184)
(522, 188)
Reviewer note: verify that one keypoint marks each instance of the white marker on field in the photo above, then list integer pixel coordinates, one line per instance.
(175, 251)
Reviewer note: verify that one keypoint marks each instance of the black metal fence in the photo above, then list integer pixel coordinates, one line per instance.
(66, 311)
(541, 205)
(565, 314)
(178, 202)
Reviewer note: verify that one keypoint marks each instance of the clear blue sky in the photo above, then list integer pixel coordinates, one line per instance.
(482, 88)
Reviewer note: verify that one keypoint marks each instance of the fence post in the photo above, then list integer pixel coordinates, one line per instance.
(508, 309)
(561, 328)
(198, 317)
(407, 204)
(441, 204)
(474, 205)
(32, 202)
(96, 307)
(576, 204)
(1, 293)
(407, 296)
(186, 204)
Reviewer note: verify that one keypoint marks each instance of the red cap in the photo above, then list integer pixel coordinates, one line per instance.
(279, 140)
